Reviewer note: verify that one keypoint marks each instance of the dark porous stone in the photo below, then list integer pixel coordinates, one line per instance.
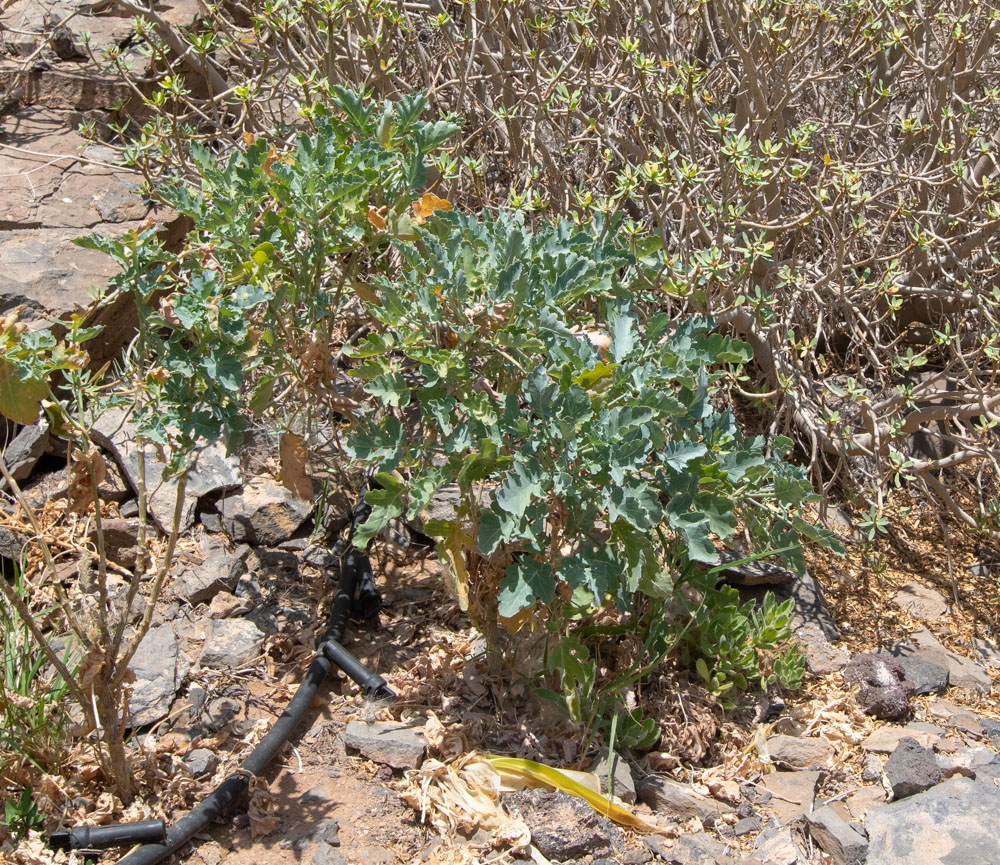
(911, 768)
(883, 691)
(564, 827)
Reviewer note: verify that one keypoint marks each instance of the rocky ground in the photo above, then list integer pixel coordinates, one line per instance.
(888, 756)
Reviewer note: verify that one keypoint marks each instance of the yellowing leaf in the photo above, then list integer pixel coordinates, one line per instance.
(376, 219)
(263, 252)
(516, 771)
(20, 400)
(269, 160)
(293, 456)
(248, 139)
(427, 204)
(366, 294)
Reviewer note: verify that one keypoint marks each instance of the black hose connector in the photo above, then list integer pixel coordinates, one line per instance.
(221, 800)
(373, 686)
(102, 837)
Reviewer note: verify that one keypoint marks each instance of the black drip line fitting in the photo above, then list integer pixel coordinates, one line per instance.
(356, 593)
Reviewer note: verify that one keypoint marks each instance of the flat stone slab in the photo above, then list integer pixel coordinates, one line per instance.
(950, 715)
(885, 739)
(395, 745)
(954, 823)
(792, 793)
(44, 271)
(71, 86)
(155, 665)
(796, 752)
(921, 602)
(678, 800)
(211, 470)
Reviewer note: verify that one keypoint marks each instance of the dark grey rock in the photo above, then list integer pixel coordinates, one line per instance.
(327, 854)
(211, 521)
(697, 849)
(794, 752)
(294, 545)
(678, 800)
(954, 823)
(26, 449)
(747, 825)
(395, 745)
(921, 668)
(911, 769)
(12, 544)
(197, 697)
(962, 672)
(129, 509)
(835, 836)
(882, 689)
(564, 827)
(155, 665)
(220, 712)
(621, 775)
(637, 856)
(328, 832)
(754, 795)
(230, 643)
(991, 729)
(211, 470)
(319, 557)
(756, 573)
(201, 762)
(120, 536)
(264, 513)
(216, 574)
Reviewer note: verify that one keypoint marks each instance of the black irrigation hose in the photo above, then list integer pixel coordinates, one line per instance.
(355, 571)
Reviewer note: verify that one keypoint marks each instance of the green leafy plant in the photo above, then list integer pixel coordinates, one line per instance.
(734, 645)
(579, 429)
(21, 815)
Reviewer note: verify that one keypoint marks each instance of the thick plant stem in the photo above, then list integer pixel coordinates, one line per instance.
(113, 733)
